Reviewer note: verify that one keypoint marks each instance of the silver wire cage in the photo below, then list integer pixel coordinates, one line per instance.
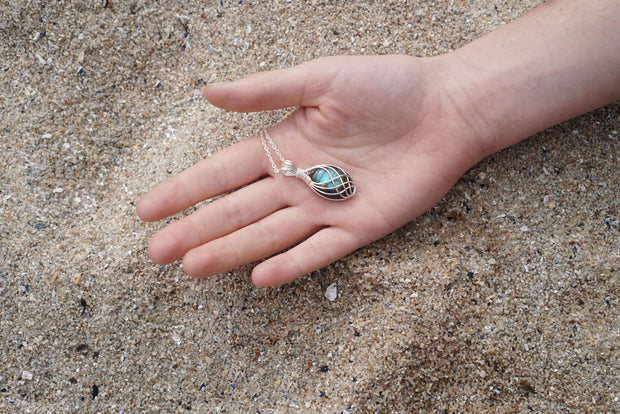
(331, 182)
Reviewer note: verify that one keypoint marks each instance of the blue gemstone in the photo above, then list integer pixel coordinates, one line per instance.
(326, 177)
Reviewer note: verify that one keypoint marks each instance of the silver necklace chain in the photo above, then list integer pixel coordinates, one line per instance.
(265, 136)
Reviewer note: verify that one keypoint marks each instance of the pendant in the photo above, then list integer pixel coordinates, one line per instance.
(328, 181)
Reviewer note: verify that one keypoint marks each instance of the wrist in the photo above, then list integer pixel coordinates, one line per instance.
(463, 107)
(484, 101)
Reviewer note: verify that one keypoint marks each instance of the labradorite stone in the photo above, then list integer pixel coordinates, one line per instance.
(326, 177)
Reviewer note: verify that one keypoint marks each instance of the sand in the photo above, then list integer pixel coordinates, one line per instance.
(501, 298)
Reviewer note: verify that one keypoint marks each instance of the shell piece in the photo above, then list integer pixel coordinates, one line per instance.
(331, 293)
(331, 182)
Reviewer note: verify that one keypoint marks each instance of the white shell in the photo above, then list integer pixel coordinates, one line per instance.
(331, 293)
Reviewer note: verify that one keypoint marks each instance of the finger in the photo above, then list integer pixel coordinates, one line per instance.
(301, 85)
(272, 234)
(225, 171)
(323, 248)
(223, 216)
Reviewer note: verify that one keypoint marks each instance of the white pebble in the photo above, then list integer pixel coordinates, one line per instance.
(26, 375)
(331, 293)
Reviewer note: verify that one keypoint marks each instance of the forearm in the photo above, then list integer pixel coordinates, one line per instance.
(559, 61)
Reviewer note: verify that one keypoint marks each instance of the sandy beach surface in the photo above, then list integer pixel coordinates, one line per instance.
(501, 298)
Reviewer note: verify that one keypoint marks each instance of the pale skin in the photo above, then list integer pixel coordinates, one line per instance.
(405, 128)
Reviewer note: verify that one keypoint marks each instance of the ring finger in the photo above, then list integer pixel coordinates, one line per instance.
(263, 238)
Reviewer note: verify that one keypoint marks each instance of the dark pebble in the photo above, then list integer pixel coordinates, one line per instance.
(82, 348)
(40, 225)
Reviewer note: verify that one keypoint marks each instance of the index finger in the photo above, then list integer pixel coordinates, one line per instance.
(301, 85)
(225, 171)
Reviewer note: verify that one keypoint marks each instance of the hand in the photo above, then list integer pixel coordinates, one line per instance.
(389, 121)
(404, 128)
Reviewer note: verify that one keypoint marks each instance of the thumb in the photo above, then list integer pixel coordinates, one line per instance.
(301, 85)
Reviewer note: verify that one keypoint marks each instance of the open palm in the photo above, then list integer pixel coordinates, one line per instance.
(387, 120)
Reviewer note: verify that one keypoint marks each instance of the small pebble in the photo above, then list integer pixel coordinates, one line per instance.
(26, 375)
(82, 349)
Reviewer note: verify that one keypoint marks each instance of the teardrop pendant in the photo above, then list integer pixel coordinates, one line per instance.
(328, 181)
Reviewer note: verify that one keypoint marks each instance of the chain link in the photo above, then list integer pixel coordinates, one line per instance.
(264, 135)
